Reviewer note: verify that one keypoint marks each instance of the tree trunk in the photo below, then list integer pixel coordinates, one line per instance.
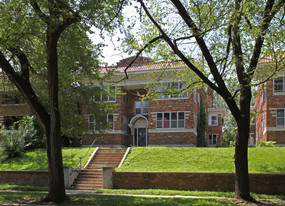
(56, 177)
(241, 148)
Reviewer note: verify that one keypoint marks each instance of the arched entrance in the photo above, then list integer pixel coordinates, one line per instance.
(139, 126)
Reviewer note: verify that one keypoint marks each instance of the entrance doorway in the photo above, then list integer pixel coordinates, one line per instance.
(140, 137)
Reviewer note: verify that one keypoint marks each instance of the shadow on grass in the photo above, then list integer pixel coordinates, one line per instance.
(34, 199)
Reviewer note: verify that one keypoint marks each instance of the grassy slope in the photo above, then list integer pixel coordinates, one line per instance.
(261, 160)
(37, 159)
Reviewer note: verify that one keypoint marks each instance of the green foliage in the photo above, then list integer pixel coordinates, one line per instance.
(26, 134)
(229, 130)
(30, 130)
(202, 125)
(12, 144)
(265, 144)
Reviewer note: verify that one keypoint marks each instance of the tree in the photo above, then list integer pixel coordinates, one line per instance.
(229, 38)
(202, 124)
(32, 38)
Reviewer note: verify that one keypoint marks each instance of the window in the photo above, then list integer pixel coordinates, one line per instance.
(278, 84)
(176, 88)
(264, 92)
(170, 120)
(125, 122)
(141, 108)
(170, 90)
(280, 117)
(126, 97)
(213, 120)
(105, 96)
(101, 124)
(12, 99)
(212, 140)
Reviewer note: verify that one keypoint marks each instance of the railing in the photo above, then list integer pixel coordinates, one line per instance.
(80, 158)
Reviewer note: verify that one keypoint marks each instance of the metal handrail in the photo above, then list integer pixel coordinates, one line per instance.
(80, 158)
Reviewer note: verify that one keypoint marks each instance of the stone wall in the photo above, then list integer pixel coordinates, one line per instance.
(259, 183)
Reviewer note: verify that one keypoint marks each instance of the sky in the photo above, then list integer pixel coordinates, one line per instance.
(111, 53)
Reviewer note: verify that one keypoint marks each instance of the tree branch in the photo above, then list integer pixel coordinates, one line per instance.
(39, 12)
(269, 13)
(138, 54)
(25, 64)
(26, 89)
(222, 88)
(177, 51)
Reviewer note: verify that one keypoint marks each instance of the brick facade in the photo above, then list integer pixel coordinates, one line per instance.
(169, 121)
(267, 103)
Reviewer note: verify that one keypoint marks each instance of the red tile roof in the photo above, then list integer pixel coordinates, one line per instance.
(145, 67)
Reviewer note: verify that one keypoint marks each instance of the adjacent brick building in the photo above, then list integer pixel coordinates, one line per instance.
(270, 107)
(164, 119)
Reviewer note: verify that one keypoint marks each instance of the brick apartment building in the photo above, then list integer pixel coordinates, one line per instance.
(166, 120)
(270, 108)
(12, 108)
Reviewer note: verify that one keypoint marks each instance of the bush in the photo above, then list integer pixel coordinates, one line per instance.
(29, 135)
(12, 144)
(265, 144)
(32, 133)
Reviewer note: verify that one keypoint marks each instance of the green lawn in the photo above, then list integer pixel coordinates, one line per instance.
(189, 159)
(106, 200)
(37, 159)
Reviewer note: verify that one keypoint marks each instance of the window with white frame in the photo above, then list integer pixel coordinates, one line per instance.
(170, 120)
(212, 141)
(171, 90)
(280, 119)
(279, 84)
(141, 108)
(213, 120)
(100, 123)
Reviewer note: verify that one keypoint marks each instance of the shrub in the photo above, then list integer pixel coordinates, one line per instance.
(265, 144)
(12, 144)
(32, 133)
(28, 135)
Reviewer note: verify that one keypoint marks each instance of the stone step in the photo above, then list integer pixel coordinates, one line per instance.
(90, 175)
(103, 165)
(101, 156)
(91, 178)
(88, 187)
(87, 182)
(115, 151)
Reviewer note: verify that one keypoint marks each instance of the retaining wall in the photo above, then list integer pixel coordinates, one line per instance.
(259, 183)
(36, 178)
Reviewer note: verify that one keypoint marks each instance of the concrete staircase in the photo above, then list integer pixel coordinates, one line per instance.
(91, 177)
